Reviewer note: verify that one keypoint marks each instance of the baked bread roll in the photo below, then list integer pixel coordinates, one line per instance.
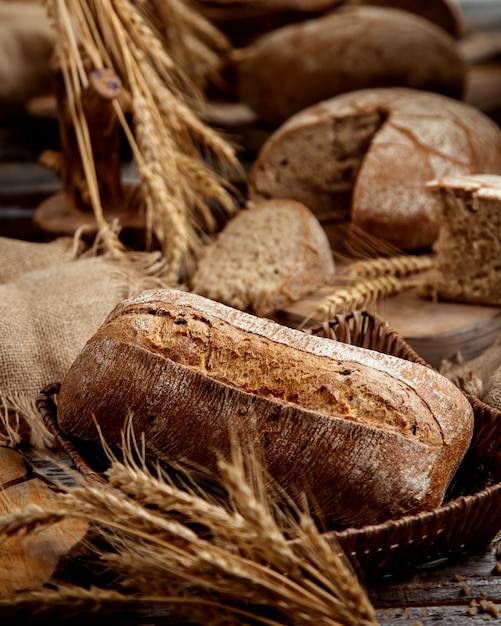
(350, 48)
(468, 250)
(244, 20)
(366, 156)
(447, 14)
(365, 436)
(271, 254)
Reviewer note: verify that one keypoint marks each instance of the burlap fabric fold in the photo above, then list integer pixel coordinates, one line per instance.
(18, 257)
(46, 316)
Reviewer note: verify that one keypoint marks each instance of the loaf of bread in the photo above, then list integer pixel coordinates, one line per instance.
(271, 254)
(366, 157)
(244, 20)
(468, 250)
(364, 435)
(447, 14)
(350, 48)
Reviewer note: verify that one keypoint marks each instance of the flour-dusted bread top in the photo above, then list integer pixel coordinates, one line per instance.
(365, 436)
(269, 255)
(468, 249)
(381, 146)
(350, 48)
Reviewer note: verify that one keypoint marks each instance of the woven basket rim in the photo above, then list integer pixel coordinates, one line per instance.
(364, 543)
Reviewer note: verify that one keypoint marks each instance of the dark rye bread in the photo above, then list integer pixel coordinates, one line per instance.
(244, 20)
(447, 14)
(366, 157)
(350, 48)
(365, 436)
(467, 266)
(269, 255)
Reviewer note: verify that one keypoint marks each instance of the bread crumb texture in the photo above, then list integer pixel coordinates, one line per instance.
(269, 255)
(368, 155)
(468, 250)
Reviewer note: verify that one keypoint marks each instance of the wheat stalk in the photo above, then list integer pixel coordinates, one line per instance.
(359, 294)
(400, 266)
(160, 558)
(151, 47)
(367, 281)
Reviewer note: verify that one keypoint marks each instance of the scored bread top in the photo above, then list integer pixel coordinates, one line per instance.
(263, 357)
(382, 145)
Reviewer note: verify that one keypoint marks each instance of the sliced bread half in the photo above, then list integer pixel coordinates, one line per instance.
(269, 255)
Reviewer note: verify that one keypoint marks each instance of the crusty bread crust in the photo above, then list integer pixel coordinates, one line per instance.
(353, 47)
(416, 136)
(366, 436)
(271, 254)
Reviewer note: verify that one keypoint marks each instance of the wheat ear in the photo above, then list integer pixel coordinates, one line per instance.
(365, 282)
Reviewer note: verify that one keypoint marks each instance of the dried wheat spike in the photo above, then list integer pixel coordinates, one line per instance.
(400, 265)
(360, 294)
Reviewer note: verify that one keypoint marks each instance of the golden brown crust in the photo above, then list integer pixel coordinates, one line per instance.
(191, 370)
(351, 48)
(419, 136)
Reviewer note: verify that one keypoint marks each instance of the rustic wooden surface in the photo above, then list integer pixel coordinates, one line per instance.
(436, 330)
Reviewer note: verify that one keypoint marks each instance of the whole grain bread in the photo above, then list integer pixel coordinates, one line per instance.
(364, 435)
(271, 254)
(467, 266)
(349, 48)
(447, 14)
(242, 21)
(366, 156)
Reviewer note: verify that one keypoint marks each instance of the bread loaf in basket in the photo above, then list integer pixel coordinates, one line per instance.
(365, 436)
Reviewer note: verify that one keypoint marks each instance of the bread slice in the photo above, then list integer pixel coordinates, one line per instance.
(365, 436)
(467, 267)
(269, 255)
(366, 157)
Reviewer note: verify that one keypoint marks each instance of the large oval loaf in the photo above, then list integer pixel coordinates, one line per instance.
(368, 154)
(350, 48)
(366, 436)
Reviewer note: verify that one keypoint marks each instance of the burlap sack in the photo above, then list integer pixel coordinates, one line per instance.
(18, 257)
(46, 316)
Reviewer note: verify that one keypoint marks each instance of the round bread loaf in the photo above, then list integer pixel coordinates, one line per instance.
(350, 48)
(244, 20)
(365, 436)
(271, 254)
(447, 14)
(366, 156)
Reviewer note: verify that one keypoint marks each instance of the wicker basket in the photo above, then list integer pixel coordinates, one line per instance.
(471, 514)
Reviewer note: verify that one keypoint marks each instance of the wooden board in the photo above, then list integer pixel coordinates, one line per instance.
(29, 560)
